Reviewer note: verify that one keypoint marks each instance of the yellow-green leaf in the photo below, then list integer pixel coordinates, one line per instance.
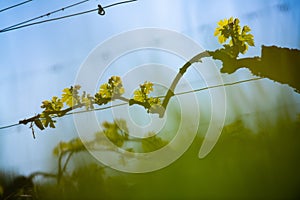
(105, 91)
(67, 97)
(148, 87)
(138, 96)
(222, 39)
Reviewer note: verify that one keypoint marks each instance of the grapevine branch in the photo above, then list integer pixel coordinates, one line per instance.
(181, 72)
(25, 121)
(152, 104)
(60, 112)
(230, 29)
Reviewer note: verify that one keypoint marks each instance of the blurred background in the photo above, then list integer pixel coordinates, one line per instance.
(37, 62)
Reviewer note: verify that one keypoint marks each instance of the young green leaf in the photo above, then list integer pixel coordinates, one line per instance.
(152, 104)
(240, 39)
(110, 90)
(70, 96)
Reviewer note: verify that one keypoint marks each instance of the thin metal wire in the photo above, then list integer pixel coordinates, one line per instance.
(215, 86)
(8, 126)
(18, 26)
(14, 6)
(44, 15)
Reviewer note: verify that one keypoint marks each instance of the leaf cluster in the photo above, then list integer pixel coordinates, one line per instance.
(118, 133)
(153, 143)
(74, 145)
(141, 97)
(109, 91)
(72, 98)
(239, 38)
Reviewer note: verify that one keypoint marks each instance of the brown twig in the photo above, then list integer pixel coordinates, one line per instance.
(181, 72)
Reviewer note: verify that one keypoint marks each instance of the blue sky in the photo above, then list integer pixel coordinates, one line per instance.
(37, 62)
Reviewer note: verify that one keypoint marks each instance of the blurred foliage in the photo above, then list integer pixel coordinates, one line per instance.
(117, 133)
(86, 182)
(1, 190)
(152, 143)
(14, 186)
(74, 145)
(243, 165)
